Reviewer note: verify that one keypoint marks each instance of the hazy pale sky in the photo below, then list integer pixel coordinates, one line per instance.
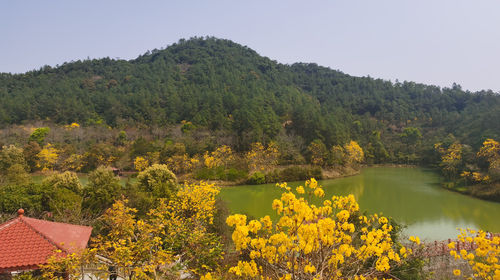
(430, 41)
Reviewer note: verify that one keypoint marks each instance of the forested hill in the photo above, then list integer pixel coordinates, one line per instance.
(220, 85)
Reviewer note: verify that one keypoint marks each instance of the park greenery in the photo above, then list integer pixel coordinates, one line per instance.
(147, 134)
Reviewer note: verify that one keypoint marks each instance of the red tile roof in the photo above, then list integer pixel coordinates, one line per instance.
(26, 242)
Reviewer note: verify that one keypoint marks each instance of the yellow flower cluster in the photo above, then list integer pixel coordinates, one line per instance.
(181, 164)
(48, 157)
(354, 153)
(484, 259)
(140, 163)
(72, 126)
(475, 177)
(330, 241)
(261, 158)
(222, 156)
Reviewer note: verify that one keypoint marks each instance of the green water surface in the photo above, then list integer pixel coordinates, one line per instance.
(412, 196)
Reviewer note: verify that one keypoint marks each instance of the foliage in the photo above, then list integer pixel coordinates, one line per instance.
(182, 164)
(491, 152)
(318, 152)
(337, 155)
(288, 174)
(16, 175)
(140, 163)
(62, 196)
(62, 266)
(48, 157)
(257, 178)
(102, 189)
(375, 151)
(10, 155)
(315, 242)
(68, 180)
(262, 158)
(157, 181)
(173, 236)
(39, 135)
(353, 153)
(222, 156)
(451, 158)
(30, 152)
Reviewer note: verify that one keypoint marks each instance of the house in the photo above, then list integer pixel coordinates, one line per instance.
(26, 243)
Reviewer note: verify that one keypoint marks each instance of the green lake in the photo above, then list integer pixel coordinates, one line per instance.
(412, 196)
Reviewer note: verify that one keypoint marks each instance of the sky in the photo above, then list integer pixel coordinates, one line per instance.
(437, 42)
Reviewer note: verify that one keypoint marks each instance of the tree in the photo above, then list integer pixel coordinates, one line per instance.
(62, 196)
(411, 136)
(318, 152)
(491, 152)
(30, 152)
(261, 158)
(11, 155)
(140, 163)
(376, 148)
(330, 241)
(222, 156)
(17, 175)
(39, 135)
(102, 189)
(451, 158)
(337, 155)
(48, 157)
(353, 153)
(155, 182)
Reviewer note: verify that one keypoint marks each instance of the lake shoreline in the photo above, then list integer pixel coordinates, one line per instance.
(413, 196)
(328, 173)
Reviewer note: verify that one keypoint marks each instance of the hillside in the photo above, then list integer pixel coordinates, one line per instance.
(223, 86)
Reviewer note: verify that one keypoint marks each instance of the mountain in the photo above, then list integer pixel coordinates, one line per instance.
(223, 86)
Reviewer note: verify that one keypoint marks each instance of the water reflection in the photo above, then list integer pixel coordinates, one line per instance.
(411, 196)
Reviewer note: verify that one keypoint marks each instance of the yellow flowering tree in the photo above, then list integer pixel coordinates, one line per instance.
(484, 259)
(262, 158)
(330, 241)
(491, 152)
(318, 152)
(181, 164)
(62, 266)
(451, 158)
(74, 162)
(353, 153)
(140, 163)
(48, 157)
(222, 156)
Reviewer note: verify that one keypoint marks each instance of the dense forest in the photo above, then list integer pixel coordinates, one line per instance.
(220, 85)
(200, 97)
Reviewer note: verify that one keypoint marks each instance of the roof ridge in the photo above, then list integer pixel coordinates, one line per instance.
(43, 235)
(52, 222)
(8, 223)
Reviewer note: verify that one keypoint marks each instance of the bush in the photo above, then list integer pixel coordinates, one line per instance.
(257, 178)
(298, 173)
(289, 174)
(234, 174)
